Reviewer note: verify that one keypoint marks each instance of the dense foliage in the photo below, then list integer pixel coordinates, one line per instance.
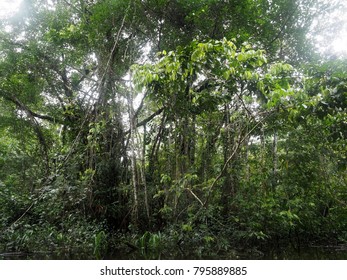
(172, 128)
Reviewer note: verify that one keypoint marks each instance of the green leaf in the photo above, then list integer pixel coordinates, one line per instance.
(226, 74)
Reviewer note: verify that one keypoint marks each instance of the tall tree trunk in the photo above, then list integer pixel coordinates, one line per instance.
(143, 172)
(133, 157)
(275, 159)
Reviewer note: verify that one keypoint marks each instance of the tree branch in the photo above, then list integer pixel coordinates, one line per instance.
(148, 119)
(238, 144)
(31, 113)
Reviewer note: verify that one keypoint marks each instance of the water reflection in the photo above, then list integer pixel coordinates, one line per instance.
(307, 253)
(276, 253)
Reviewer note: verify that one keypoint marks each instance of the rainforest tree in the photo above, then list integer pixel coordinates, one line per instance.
(209, 121)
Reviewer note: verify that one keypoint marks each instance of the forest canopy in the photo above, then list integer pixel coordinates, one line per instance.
(171, 127)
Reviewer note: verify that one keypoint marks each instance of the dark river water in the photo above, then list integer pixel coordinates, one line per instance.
(308, 253)
(288, 253)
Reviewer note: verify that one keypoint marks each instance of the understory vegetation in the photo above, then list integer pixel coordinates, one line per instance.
(170, 129)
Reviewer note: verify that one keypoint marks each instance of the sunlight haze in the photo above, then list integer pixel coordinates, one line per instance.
(337, 46)
(8, 6)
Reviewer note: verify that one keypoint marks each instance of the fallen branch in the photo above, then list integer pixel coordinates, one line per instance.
(229, 159)
(197, 198)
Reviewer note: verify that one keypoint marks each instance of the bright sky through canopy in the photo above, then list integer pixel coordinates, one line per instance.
(337, 46)
(340, 44)
(8, 7)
